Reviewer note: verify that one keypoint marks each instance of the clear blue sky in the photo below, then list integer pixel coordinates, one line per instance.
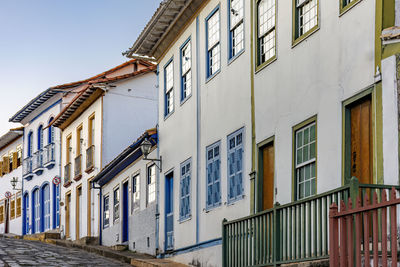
(48, 42)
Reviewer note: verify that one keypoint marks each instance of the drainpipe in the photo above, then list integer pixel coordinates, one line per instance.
(253, 125)
(158, 174)
(101, 217)
(198, 125)
(22, 186)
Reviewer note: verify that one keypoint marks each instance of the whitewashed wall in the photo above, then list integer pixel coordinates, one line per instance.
(127, 114)
(224, 108)
(313, 78)
(15, 226)
(41, 116)
(83, 120)
(142, 222)
(390, 122)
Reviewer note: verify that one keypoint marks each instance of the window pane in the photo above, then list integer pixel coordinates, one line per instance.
(266, 16)
(169, 77)
(236, 12)
(308, 16)
(213, 29)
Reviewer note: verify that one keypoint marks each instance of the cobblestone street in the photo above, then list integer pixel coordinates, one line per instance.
(14, 252)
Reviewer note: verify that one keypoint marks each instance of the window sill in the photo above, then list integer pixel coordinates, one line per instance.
(213, 76)
(183, 101)
(169, 115)
(234, 201)
(266, 63)
(344, 10)
(232, 59)
(183, 220)
(305, 36)
(209, 209)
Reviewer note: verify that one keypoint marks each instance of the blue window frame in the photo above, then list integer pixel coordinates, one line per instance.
(56, 206)
(46, 207)
(50, 139)
(26, 214)
(235, 166)
(106, 211)
(40, 137)
(184, 203)
(236, 27)
(169, 87)
(186, 70)
(30, 144)
(213, 36)
(213, 175)
(36, 212)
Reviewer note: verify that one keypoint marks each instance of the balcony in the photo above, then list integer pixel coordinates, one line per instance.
(78, 168)
(90, 159)
(49, 156)
(295, 232)
(67, 175)
(27, 168)
(37, 165)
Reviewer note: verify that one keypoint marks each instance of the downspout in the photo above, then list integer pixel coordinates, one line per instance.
(22, 186)
(101, 216)
(158, 173)
(253, 173)
(198, 126)
(60, 172)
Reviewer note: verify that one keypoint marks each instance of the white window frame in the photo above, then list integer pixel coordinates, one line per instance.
(151, 187)
(135, 193)
(186, 70)
(302, 166)
(213, 43)
(169, 88)
(116, 204)
(106, 212)
(236, 28)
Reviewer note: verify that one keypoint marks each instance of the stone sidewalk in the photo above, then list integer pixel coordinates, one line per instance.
(16, 252)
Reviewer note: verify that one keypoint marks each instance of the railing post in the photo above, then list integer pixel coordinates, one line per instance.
(354, 190)
(224, 244)
(333, 236)
(276, 256)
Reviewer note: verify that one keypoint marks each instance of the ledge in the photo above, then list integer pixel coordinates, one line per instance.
(89, 170)
(67, 184)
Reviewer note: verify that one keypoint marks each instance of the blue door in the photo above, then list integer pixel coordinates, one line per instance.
(125, 212)
(25, 227)
(169, 211)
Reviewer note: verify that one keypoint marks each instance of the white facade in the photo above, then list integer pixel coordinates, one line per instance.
(41, 165)
(313, 78)
(141, 207)
(217, 107)
(120, 114)
(14, 208)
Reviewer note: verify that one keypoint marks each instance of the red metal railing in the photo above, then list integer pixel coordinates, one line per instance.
(350, 231)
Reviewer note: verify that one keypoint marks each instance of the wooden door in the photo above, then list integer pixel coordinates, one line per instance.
(361, 141)
(268, 163)
(67, 215)
(78, 213)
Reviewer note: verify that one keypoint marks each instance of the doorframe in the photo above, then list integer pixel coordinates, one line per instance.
(89, 206)
(260, 173)
(126, 181)
(68, 211)
(77, 211)
(346, 137)
(165, 210)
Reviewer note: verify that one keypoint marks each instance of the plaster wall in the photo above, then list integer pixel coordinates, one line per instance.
(397, 21)
(313, 78)
(142, 220)
(129, 109)
(41, 117)
(390, 122)
(15, 226)
(71, 130)
(222, 105)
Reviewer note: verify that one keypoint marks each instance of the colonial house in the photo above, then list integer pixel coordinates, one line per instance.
(203, 56)
(128, 193)
(302, 95)
(41, 162)
(103, 115)
(11, 182)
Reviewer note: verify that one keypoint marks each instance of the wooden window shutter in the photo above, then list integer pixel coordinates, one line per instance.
(2, 214)
(6, 165)
(15, 160)
(19, 205)
(12, 209)
(1, 169)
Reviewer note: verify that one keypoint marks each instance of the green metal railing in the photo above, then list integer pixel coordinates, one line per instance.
(294, 232)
